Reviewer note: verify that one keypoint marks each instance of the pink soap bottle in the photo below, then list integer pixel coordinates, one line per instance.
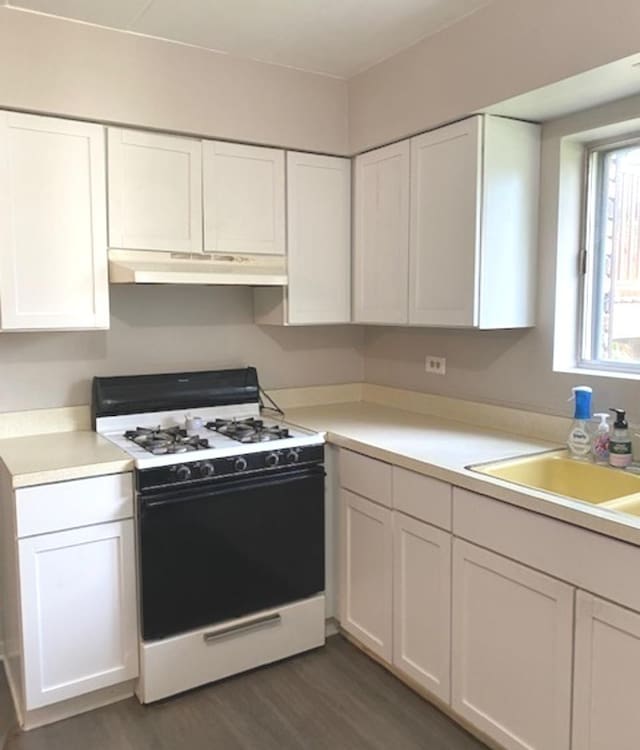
(600, 440)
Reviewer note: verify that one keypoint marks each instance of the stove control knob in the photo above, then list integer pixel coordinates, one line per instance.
(293, 457)
(183, 473)
(206, 470)
(273, 459)
(240, 464)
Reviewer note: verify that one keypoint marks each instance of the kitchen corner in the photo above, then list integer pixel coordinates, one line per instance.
(292, 298)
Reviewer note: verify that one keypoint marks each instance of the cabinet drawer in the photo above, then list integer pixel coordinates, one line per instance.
(366, 476)
(588, 560)
(67, 505)
(173, 665)
(422, 497)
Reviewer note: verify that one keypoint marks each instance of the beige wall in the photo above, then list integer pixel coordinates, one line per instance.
(77, 70)
(512, 368)
(60, 67)
(168, 329)
(507, 48)
(55, 66)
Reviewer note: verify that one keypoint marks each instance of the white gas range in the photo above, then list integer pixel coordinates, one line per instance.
(230, 523)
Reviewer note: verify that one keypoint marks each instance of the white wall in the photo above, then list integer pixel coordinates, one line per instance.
(51, 65)
(506, 48)
(513, 368)
(169, 329)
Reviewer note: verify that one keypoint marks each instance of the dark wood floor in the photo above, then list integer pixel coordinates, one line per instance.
(330, 699)
(7, 716)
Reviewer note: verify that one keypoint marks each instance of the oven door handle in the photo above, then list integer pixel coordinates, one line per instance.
(257, 623)
(173, 496)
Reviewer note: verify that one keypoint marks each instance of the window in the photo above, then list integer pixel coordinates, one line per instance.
(611, 262)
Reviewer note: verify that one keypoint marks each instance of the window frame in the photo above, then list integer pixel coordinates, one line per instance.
(587, 334)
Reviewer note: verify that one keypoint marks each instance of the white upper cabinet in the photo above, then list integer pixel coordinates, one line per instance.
(244, 198)
(606, 683)
(53, 224)
(474, 199)
(319, 238)
(445, 171)
(155, 191)
(318, 246)
(381, 235)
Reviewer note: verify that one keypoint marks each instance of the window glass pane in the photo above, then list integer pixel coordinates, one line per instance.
(616, 283)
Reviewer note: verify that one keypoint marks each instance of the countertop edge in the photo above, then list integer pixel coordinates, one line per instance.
(596, 520)
(65, 474)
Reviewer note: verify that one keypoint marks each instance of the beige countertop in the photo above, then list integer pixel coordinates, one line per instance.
(444, 448)
(56, 457)
(430, 445)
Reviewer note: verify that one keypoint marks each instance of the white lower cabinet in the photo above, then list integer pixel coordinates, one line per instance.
(366, 573)
(527, 659)
(78, 607)
(606, 692)
(512, 647)
(422, 603)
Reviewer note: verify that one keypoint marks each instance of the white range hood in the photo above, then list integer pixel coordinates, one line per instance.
(146, 267)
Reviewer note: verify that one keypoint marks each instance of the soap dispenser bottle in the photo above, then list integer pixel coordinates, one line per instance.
(620, 448)
(600, 440)
(579, 441)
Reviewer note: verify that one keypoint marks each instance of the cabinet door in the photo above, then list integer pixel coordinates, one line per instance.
(512, 644)
(606, 686)
(79, 621)
(381, 235)
(53, 233)
(319, 238)
(509, 233)
(243, 200)
(445, 215)
(422, 603)
(155, 191)
(366, 573)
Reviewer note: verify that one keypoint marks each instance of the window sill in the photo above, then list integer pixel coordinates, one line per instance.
(599, 372)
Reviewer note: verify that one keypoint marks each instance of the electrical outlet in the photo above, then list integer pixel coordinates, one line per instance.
(435, 365)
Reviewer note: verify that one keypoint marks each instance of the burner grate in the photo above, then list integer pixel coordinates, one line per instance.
(248, 430)
(161, 440)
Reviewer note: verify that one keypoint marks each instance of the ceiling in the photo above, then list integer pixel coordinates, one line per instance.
(592, 88)
(335, 37)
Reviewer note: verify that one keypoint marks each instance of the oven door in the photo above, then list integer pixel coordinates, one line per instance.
(235, 547)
